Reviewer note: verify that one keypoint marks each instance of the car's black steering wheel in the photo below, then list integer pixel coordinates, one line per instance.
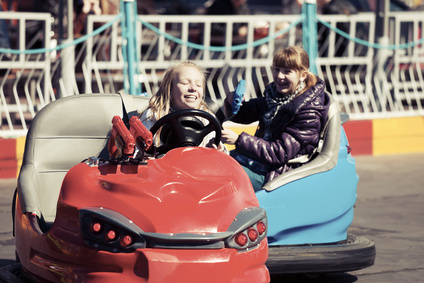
(184, 129)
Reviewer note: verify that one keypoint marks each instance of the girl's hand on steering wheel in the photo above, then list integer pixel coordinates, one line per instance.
(229, 136)
(220, 147)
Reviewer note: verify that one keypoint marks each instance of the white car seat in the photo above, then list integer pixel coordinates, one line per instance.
(64, 133)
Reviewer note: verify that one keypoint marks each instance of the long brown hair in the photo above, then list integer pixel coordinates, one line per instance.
(295, 58)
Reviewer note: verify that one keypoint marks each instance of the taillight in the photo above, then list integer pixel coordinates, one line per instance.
(126, 241)
(96, 227)
(349, 149)
(107, 230)
(110, 235)
(261, 227)
(250, 236)
(253, 234)
(241, 239)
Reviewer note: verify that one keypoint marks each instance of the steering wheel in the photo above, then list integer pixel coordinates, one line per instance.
(184, 129)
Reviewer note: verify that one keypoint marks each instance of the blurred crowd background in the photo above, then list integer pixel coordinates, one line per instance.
(199, 7)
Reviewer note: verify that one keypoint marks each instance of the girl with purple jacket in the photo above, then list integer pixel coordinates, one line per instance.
(291, 115)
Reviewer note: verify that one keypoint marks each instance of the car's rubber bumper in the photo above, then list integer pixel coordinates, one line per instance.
(357, 253)
(10, 273)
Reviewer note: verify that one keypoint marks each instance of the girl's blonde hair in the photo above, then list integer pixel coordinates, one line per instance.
(161, 102)
(295, 58)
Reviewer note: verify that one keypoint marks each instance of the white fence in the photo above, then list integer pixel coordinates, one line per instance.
(25, 79)
(350, 66)
(352, 74)
(225, 68)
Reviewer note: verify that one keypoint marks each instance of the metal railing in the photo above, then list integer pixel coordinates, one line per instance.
(368, 80)
(372, 80)
(226, 57)
(25, 80)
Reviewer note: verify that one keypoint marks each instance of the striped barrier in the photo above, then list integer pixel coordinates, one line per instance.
(11, 152)
(378, 136)
(366, 137)
(386, 136)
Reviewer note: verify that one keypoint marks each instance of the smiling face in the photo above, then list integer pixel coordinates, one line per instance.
(187, 88)
(289, 67)
(286, 80)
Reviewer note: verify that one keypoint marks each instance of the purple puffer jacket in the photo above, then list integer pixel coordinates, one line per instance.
(295, 129)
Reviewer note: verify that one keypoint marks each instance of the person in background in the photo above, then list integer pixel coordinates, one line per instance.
(4, 42)
(228, 7)
(291, 115)
(4, 33)
(339, 7)
(182, 87)
(82, 9)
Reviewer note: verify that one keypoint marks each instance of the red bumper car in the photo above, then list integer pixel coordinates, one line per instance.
(187, 215)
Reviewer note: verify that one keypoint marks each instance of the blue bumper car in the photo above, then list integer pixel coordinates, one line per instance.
(311, 208)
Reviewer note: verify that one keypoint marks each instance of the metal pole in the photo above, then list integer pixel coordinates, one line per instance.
(130, 43)
(309, 34)
(67, 55)
(381, 26)
(380, 57)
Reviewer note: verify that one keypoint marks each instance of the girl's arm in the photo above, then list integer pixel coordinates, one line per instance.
(300, 136)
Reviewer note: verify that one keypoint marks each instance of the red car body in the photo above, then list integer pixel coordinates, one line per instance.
(171, 220)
